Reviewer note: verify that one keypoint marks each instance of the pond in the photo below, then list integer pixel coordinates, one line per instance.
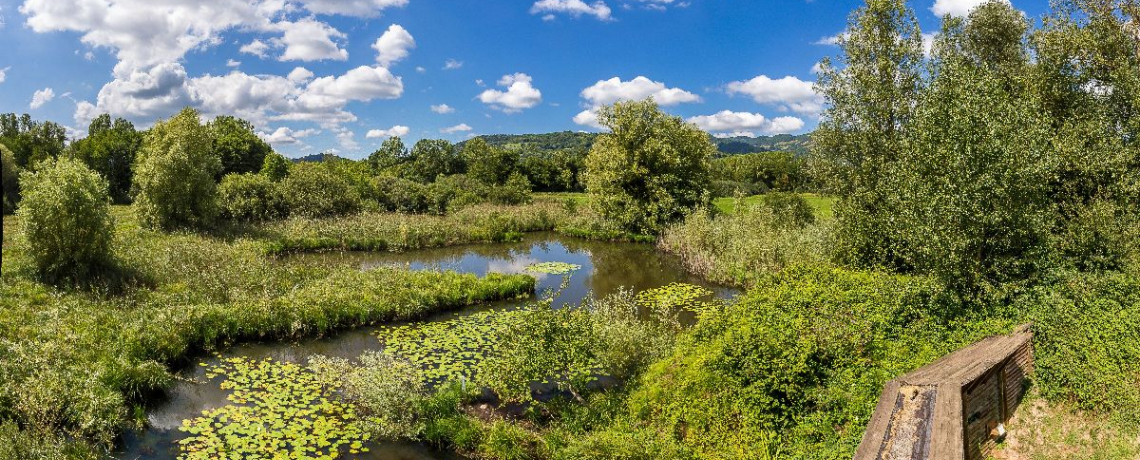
(604, 269)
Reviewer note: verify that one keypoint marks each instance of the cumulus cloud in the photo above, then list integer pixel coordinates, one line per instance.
(287, 136)
(347, 139)
(452, 64)
(4, 74)
(442, 109)
(462, 127)
(397, 130)
(830, 40)
(300, 75)
(309, 40)
(606, 92)
(41, 97)
(574, 8)
(232, 63)
(520, 94)
(393, 45)
(788, 93)
(740, 122)
(956, 8)
(256, 48)
(358, 8)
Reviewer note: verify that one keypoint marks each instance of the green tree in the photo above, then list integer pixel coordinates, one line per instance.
(10, 175)
(487, 164)
(870, 98)
(110, 150)
(66, 219)
(31, 141)
(650, 169)
(276, 167)
(390, 153)
(237, 145)
(313, 190)
(174, 177)
(994, 37)
(432, 158)
(251, 197)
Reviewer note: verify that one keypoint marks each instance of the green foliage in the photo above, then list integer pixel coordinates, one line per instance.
(649, 170)
(110, 149)
(65, 220)
(237, 145)
(174, 176)
(553, 268)
(431, 158)
(399, 195)
(544, 345)
(390, 153)
(387, 392)
(31, 141)
(9, 179)
(790, 209)
(276, 167)
(677, 296)
(250, 197)
(782, 171)
(516, 190)
(489, 165)
(553, 171)
(313, 190)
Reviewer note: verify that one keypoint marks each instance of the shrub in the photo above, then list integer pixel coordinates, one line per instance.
(788, 209)
(9, 181)
(237, 145)
(399, 195)
(250, 197)
(174, 178)
(487, 164)
(388, 392)
(311, 190)
(723, 188)
(66, 220)
(516, 190)
(545, 344)
(650, 170)
(275, 167)
(454, 192)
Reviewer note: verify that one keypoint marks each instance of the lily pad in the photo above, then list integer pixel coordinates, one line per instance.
(553, 268)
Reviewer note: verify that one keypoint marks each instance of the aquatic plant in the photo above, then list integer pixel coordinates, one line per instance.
(279, 410)
(449, 350)
(553, 268)
(677, 296)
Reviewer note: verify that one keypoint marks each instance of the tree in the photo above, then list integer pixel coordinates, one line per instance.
(9, 177)
(431, 158)
(487, 164)
(31, 141)
(110, 149)
(650, 169)
(237, 145)
(313, 190)
(994, 36)
(175, 174)
(66, 219)
(870, 100)
(276, 167)
(251, 197)
(390, 153)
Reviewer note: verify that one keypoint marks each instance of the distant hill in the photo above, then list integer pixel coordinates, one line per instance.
(728, 146)
(317, 158)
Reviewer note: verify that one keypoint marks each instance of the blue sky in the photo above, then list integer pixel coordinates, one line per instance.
(316, 75)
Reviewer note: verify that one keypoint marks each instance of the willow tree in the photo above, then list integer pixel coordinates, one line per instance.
(175, 174)
(870, 93)
(650, 169)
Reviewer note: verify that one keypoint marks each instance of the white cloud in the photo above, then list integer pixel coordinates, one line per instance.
(734, 134)
(575, 8)
(300, 75)
(256, 48)
(520, 94)
(309, 40)
(727, 120)
(957, 8)
(41, 97)
(286, 136)
(393, 45)
(588, 118)
(442, 109)
(928, 44)
(397, 130)
(606, 92)
(420, 69)
(232, 63)
(830, 40)
(788, 93)
(4, 74)
(359, 8)
(452, 64)
(817, 68)
(347, 139)
(456, 129)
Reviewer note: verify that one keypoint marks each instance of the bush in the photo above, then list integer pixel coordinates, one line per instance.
(454, 192)
(175, 174)
(9, 179)
(237, 145)
(66, 220)
(788, 209)
(250, 197)
(275, 167)
(388, 392)
(311, 190)
(399, 195)
(723, 188)
(516, 190)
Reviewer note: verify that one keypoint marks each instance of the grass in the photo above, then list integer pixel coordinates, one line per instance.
(822, 204)
(76, 364)
(1041, 430)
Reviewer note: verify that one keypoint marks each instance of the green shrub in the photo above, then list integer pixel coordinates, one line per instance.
(788, 209)
(174, 177)
(9, 179)
(275, 167)
(250, 197)
(237, 146)
(66, 220)
(311, 190)
(516, 190)
(399, 195)
(387, 392)
(729, 189)
(507, 441)
(545, 344)
(454, 192)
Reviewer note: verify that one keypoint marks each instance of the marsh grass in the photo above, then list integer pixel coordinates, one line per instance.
(76, 363)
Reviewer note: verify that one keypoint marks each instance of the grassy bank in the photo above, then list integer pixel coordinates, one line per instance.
(77, 362)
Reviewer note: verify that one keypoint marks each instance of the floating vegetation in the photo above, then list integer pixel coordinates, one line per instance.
(553, 268)
(279, 410)
(677, 296)
(450, 350)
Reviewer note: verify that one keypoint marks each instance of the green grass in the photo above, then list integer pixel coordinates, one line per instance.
(76, 363)
(822, 204)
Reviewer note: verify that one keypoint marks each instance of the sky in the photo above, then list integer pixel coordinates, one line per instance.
(343, 75)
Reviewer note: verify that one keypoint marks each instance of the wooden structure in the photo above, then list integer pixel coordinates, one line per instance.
(956, 407)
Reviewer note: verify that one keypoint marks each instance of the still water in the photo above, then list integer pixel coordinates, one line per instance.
(606, 268)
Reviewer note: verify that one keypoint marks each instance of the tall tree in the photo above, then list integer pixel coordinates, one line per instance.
(487, 164)
(110, 149)
(431, 158)
(31, 141)
(175, 174)
(390, 153)
(650, 169)
(237, 145)
(870, 97)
